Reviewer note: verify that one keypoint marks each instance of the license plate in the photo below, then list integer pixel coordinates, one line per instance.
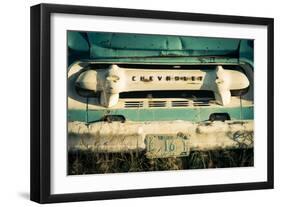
(166, 145)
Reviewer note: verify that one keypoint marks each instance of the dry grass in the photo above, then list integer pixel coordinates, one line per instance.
(87, 162)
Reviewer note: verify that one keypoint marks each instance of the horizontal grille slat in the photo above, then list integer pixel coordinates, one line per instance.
(157, 103)
(133, 104)
(201, 102)
(180, 103)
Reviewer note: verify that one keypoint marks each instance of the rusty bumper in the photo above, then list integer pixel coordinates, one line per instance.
(132, 136)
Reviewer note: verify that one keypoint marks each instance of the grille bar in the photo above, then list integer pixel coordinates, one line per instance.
(133, 104)
(180, 103)
(157, 103)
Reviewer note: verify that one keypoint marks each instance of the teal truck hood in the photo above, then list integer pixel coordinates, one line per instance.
(166, 49)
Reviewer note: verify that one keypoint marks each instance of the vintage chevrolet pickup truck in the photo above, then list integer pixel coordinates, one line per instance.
(161, 94)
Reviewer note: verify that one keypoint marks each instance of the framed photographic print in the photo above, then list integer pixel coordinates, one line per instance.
(133, 103)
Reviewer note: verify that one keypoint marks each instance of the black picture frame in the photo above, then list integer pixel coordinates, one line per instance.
(41, 96)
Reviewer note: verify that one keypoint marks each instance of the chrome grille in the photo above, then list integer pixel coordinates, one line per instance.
(170, 103)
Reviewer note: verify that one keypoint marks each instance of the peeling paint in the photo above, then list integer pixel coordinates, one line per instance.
(130, 136)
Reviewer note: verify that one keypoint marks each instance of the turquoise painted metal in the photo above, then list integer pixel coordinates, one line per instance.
(186, 114)
(142, 48)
